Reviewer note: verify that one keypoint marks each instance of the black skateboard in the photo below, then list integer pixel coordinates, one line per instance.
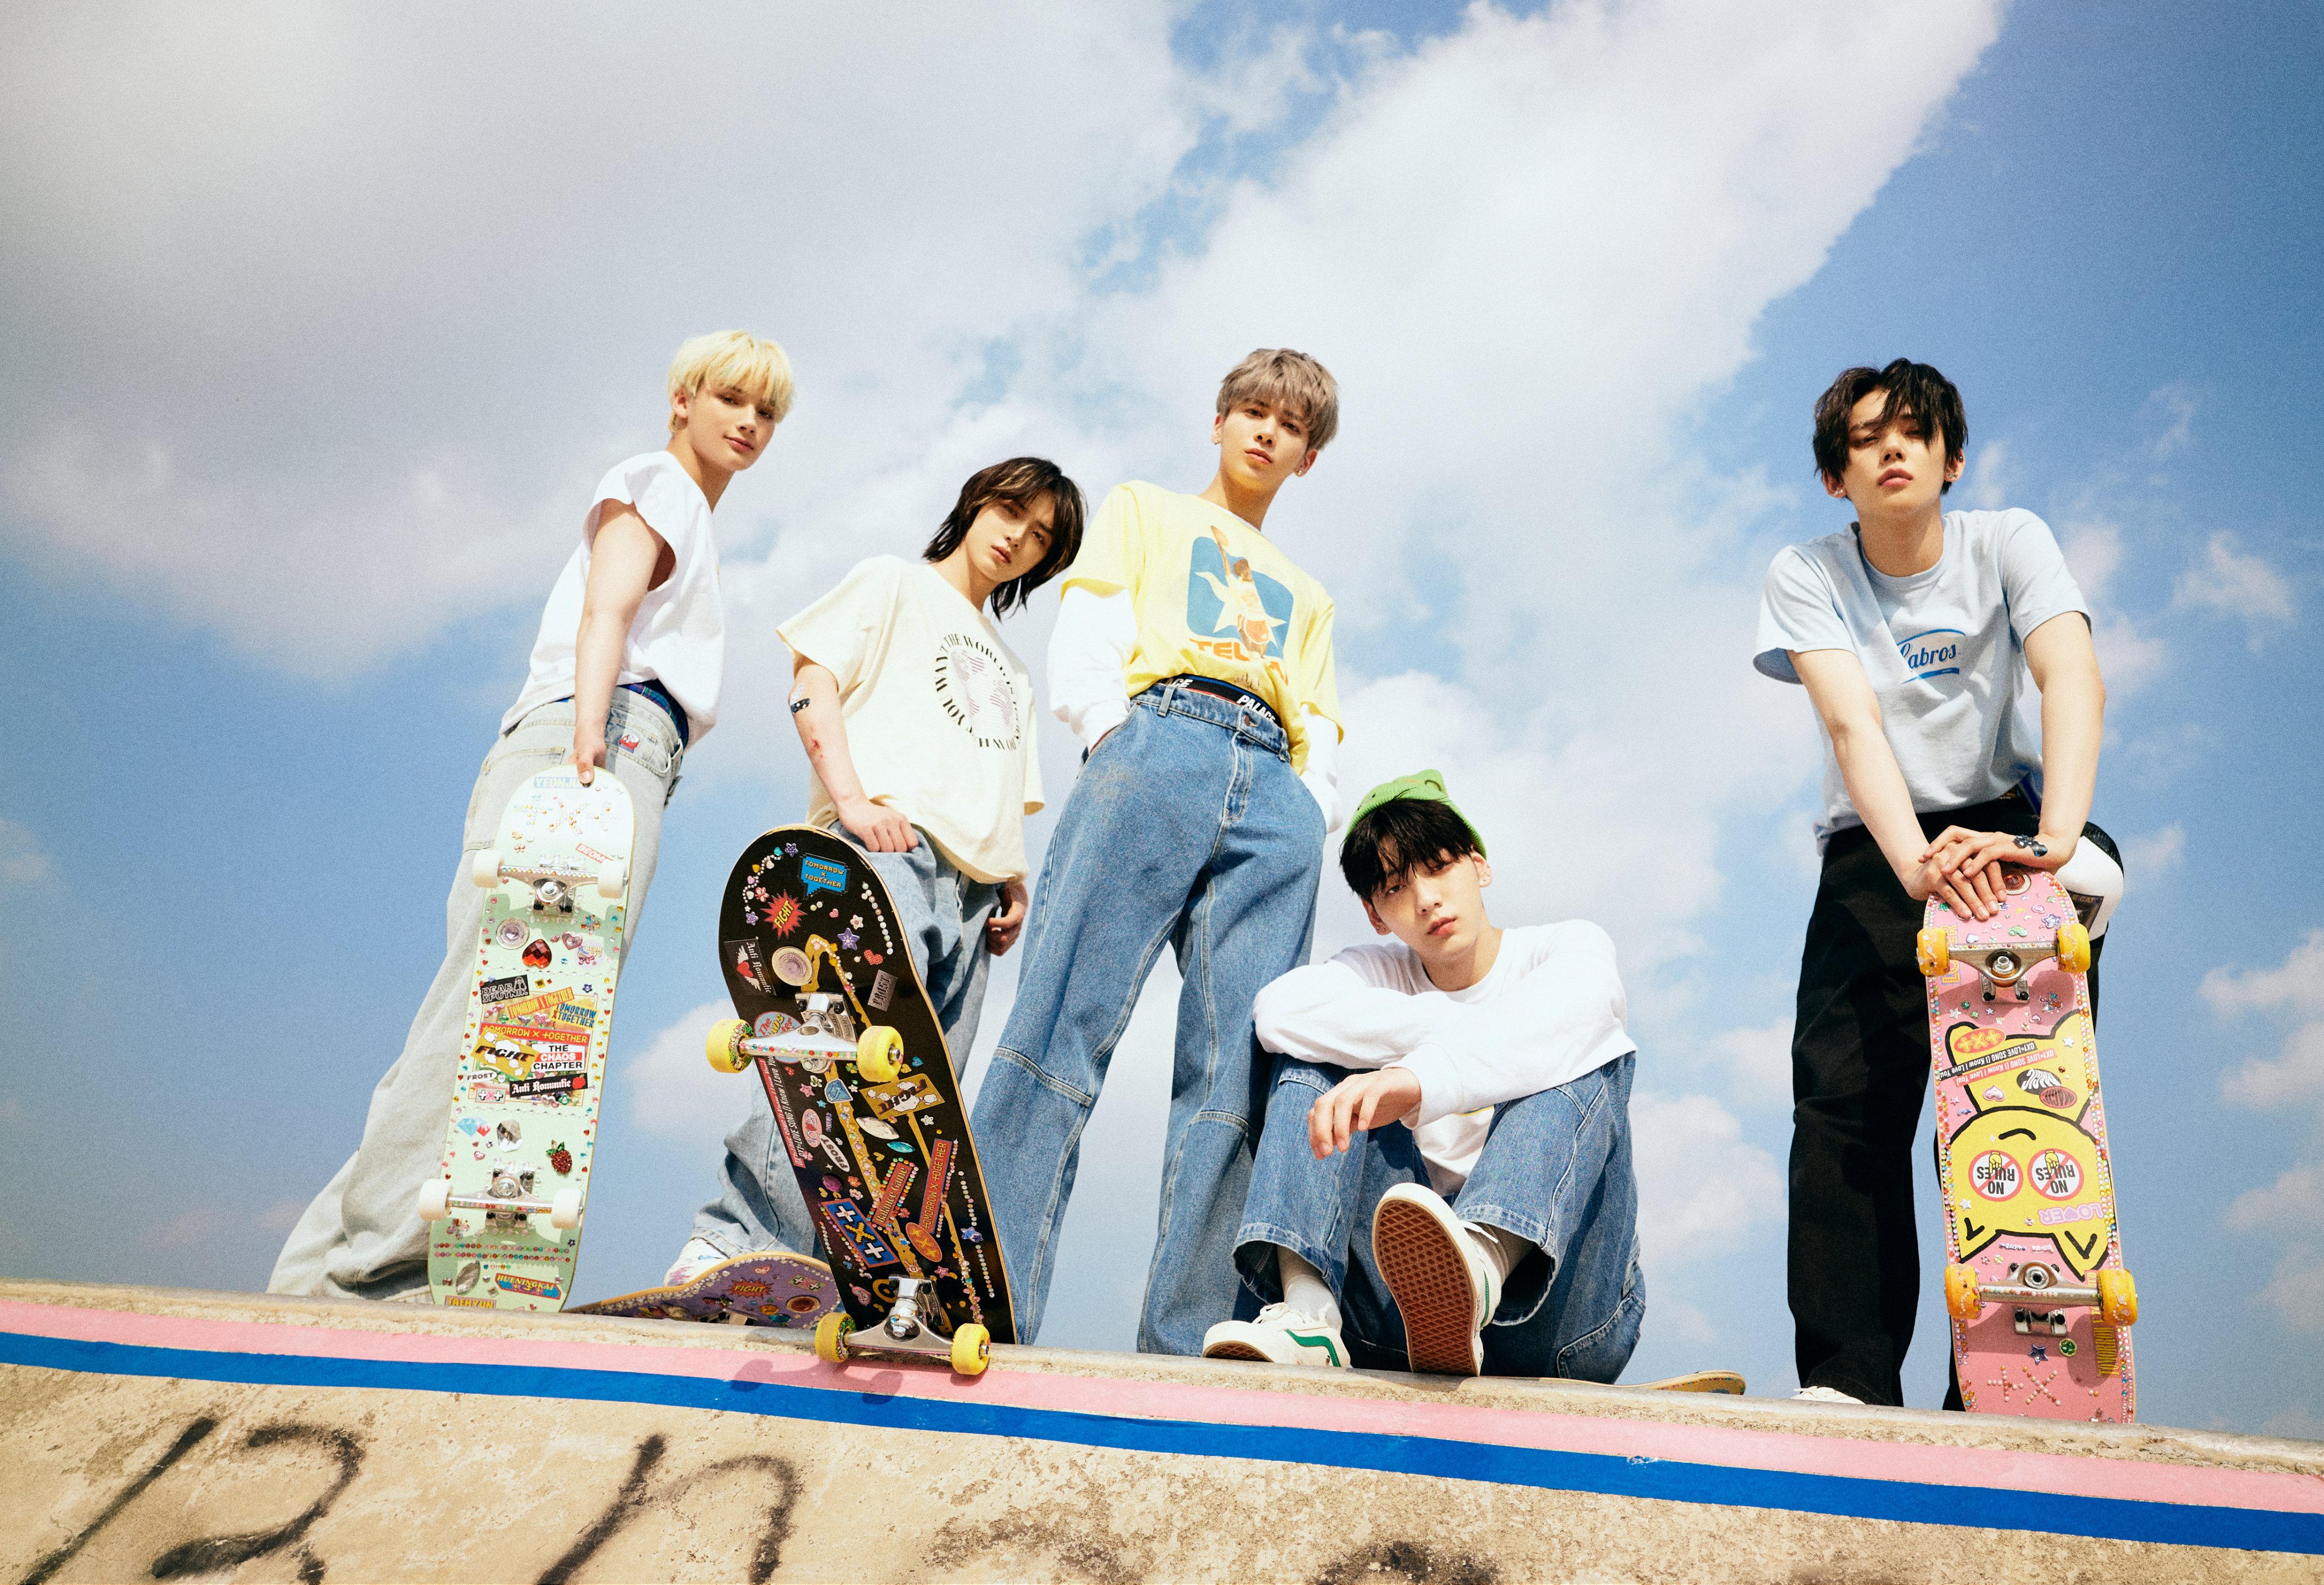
(838, 1028)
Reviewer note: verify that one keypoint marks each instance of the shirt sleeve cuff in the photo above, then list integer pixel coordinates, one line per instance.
(1442, 1094)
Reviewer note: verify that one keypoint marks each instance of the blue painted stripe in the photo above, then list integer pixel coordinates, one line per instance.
(1848, 1497)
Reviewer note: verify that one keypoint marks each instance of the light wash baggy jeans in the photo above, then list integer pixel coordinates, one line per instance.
(943, 912)
(1187, 827)
(1555, 1171)
(363, 1238)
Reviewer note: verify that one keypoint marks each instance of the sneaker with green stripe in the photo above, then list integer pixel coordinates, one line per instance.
(1281, 1335)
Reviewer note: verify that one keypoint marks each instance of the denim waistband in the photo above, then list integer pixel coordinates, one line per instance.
(659, 695)
(1251, 719)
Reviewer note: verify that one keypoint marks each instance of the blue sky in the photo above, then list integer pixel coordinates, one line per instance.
(319, 345)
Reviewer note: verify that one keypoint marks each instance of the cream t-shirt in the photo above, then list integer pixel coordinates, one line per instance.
(938, 710)
(678, 636)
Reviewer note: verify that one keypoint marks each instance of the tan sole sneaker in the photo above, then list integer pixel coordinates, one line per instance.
(1419, 1246)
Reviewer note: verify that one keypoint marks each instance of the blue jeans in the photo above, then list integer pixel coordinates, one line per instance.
(941, 912)
(1189, 827)
(1555, 1171)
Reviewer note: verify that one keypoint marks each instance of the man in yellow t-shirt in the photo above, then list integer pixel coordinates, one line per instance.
(1193, 658)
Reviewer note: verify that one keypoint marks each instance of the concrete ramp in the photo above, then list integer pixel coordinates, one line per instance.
(149, 1434)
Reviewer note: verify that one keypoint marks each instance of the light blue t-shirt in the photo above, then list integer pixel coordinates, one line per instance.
(1944, 649)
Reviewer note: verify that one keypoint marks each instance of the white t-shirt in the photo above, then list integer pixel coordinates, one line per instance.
(678, 636)
(1550, 1010)
(1944, 650)
(939, 712)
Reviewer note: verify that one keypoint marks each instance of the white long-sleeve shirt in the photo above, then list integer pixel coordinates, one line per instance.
(1089, 655)
(1551, 1010)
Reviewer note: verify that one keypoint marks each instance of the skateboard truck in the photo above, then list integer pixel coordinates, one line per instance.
(826, 1027)
(2037, 1296)
(507, 1200)
(906, 1334)
(552, 887)
(2005, 966)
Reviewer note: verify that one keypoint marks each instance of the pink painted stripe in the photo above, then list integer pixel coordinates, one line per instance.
(1731, 1446)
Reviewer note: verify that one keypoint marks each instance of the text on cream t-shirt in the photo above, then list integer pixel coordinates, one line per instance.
(938, 710)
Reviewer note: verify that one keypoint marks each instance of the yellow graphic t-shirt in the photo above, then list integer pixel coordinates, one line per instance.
(1214, 597)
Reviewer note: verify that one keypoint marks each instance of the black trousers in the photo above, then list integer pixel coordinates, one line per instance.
(1860, 1073)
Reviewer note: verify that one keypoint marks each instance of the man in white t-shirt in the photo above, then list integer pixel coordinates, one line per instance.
(918, 722)
(625, 672)
(1444, 1180)
(1923, 637)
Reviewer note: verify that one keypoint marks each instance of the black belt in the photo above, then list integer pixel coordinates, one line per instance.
(1221, 690)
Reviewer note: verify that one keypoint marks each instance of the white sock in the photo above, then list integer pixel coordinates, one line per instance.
(1304, 1287)
(1501, 1248)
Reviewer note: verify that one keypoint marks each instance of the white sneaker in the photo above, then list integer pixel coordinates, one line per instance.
(1443, 1286)
(698, 1257)
(1823, 1395)
(1281, 1335)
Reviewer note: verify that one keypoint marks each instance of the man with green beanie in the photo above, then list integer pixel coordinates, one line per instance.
(1444, 1183)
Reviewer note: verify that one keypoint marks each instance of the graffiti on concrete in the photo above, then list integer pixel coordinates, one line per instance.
(647, 1487)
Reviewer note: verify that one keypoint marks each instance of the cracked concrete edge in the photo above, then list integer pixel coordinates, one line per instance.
(2153, 1443)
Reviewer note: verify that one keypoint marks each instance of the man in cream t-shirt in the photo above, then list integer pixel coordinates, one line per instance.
(917, 723)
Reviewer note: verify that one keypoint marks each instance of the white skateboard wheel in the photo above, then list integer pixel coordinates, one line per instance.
(567, 1212)
(485, 868)
(613, 879)
(434, 1195)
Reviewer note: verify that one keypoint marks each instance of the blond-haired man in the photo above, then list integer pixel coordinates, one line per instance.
(625, 673)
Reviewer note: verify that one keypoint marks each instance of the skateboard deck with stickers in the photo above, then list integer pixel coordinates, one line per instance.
(504, 1211)
(835, 1027)
(2041, 1301)
(749, 1290)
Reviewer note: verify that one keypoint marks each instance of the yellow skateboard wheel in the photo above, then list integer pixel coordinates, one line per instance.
(1934, 949)
(831, 1338)
(2118, 1298)
(724, 1047)
(2073, 946)
(1962, 1300)
(971, 1348)
(879, 1055)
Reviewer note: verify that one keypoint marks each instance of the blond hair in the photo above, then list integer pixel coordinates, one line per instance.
(732, 360)
(1290, 381)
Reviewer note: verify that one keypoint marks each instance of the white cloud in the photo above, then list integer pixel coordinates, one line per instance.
(1989, 483)
(2156, 853)
(2296, 1291)
(2232, 583)
(2294, 1202)
(2169, 412)
(676, 1096)
(22, 862)
(1759, 1062)
(1702, 1187)
(2295, 1076)
(2296, 984)
(397, 287)
(2128, 655)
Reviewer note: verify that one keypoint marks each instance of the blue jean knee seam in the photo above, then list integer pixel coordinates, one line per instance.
(1055, 1085)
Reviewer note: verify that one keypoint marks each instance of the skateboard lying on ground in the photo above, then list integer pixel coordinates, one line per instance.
(1721, 1381)
(839, 1031)
(2039, 1299)
(753, 1290)
(505, 1213)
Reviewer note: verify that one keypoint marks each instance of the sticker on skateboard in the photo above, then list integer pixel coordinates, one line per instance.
(2041, 1301)
(838, 1030)
(749, 1290)
(504, 1212)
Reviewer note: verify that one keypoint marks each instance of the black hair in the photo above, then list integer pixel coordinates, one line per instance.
(1917, 389)
(1021, 480)
(1398, 835)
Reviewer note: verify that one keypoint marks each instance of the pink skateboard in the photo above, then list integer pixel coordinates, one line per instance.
(2041, 1301)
